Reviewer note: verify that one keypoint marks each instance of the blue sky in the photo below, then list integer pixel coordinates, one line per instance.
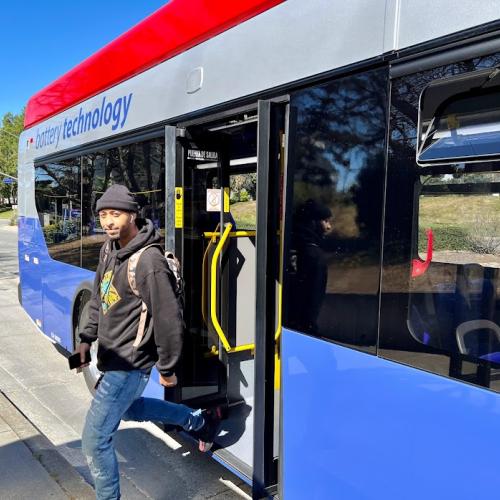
(40, 41)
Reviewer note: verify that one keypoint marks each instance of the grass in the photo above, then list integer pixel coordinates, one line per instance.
(6, 215)
(458, 221)
(244, 214)
(457, 210)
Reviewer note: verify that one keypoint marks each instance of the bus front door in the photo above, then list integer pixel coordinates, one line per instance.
(224, 185)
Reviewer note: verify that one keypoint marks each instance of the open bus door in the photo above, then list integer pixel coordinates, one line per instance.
(224, 204)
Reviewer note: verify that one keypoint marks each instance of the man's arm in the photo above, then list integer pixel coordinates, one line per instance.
(89, 332)
(156, 291)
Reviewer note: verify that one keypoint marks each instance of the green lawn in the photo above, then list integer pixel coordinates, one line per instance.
(460, 223)
(245, 214)
(6, 215)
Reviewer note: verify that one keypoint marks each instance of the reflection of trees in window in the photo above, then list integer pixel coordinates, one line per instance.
(140, 167)
(339, 151)
(405, 95)
(338, 169)
(57, 192)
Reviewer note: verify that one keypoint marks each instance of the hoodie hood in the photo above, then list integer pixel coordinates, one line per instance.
(147, 235)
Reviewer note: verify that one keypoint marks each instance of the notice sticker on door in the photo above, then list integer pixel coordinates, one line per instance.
(214, 199)
(226, 200)
(179, 208)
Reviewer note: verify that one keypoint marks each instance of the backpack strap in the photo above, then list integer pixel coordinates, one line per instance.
(142, 325)
(131, 272)
(174, 267)
(132, 266)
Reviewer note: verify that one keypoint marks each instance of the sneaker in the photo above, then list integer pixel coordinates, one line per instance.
(207, 433)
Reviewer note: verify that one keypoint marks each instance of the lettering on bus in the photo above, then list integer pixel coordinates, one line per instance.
(200, 155)
(112, 113)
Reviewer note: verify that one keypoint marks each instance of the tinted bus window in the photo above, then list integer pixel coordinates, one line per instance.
(58, 199)
(452, 297)
(440, 307)
(140, 167)
(337, 169)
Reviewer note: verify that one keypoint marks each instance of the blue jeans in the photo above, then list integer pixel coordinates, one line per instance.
(118, 397)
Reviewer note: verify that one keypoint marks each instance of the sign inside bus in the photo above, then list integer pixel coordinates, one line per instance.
(200, 155)
(108, 113)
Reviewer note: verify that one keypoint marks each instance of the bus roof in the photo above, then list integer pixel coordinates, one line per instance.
(172, 29)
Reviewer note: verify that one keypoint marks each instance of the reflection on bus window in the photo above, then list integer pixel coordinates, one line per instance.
(333, 263)
(140, 167)
(66, 200)
(57, 192)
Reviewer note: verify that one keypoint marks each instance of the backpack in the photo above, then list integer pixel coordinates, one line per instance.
(174, 276)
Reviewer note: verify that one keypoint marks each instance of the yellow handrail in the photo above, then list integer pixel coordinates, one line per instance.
(204, 272)
(213, 288)
(213, 297)
(234, 234)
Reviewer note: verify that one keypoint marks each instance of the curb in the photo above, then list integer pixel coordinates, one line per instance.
(59, 469)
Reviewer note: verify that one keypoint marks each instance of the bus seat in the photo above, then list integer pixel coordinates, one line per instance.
(474, 290)
(477, 324)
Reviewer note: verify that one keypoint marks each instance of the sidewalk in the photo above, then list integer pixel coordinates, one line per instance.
(5, 224)
(31, 466)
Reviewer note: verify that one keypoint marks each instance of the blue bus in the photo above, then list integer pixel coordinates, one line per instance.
(327, 174)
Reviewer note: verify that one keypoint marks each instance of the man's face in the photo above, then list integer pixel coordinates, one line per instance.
(115, 222)
(326, 226)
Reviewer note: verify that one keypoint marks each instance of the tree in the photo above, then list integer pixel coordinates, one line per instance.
(10, 129)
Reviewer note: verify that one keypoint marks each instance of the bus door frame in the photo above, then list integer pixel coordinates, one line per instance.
(273, 118)
(271, 188)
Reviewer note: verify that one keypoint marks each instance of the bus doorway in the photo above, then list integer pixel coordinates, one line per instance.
(225, 226)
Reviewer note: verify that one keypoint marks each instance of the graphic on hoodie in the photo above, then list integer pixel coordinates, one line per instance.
(109, 295)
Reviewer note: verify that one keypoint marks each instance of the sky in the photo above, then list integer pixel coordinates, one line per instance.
(40, 41)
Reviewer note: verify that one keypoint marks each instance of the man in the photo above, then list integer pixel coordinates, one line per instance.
(313, 224)
(125, 358)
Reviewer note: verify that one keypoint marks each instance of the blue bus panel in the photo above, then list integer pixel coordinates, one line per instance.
(358, 427)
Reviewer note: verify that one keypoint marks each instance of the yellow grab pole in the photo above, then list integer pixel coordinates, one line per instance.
(213, 288)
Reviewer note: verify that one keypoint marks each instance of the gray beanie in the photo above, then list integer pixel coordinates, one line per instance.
(118, 197)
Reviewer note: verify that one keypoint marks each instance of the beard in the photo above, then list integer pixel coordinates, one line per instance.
(113, 234)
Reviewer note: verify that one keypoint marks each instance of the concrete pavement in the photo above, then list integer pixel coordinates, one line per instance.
(22, 475)
(31, 466)
(34, 376)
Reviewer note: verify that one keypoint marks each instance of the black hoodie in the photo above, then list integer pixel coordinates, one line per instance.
(115, 309)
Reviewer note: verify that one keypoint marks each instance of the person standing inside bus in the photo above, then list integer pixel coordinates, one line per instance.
(124, 357)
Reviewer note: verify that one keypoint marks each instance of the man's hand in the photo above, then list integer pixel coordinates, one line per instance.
(84, 348)
(168, 381)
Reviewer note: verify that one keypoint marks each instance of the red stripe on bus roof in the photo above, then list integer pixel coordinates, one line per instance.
(172, 29)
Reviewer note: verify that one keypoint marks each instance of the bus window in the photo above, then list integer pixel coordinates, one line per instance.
(440, 303)
(452, 305)
(337, 170)
(139, 166)
(57, 194)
